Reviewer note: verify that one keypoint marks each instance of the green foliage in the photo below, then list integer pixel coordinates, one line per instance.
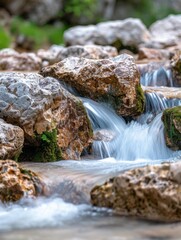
(80, 7)
(149, 12)
(5, 38)
(48, 150)
(41, 35)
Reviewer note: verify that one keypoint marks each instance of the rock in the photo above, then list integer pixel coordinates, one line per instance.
(11, 140)
(55, 122)
(172, 122)
(88, 51)
(104, 135)
(57, 53)
(151, 192)
(39, 11)
(153, 54)
(166, 32)
(13, 61)
(121, 33)
(166, 92)
(176, 68)
(16, 182)
(113, 80)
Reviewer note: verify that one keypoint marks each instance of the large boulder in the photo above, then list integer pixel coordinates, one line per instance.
(55, 122)
(121, 33)
(113, 80)
(151, 192)
(10, 60)
(57, 53)
(166, 32)
(172, 123)
(11, 140)
(16, 182)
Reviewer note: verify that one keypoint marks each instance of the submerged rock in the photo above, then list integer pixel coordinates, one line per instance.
(13, 61)
(151, 192)
(115, 81)
(11, 140)
(55, 122)
(16, 182)
(176, 68)
(121, 33)
(172, 123)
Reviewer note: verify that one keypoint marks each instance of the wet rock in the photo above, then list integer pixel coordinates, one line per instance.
(151, 192)
(172, 123)
(153, 54)
(55, 122)
(16, 182)
(11, 140)
(113, 80)
(13, 61)
(57, 53)
(176, 68)
(166, 32)
(129, 32)
(104, 135)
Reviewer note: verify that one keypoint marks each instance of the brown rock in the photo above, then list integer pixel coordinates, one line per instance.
(172, 122)
(53, 120)
(11, 140)
(113, 80)
(13, 61)
(176, 68)
(151, 192)
(153, 54)
(16, 183)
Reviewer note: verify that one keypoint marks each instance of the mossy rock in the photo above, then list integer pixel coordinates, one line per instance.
(172, 123)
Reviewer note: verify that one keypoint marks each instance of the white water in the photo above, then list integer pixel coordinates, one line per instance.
(134, 144)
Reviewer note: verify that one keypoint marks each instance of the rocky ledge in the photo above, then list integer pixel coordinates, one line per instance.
(16, 182)
(151, 192)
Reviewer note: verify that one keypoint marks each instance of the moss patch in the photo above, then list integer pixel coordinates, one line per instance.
(172, 123)
(140, 99)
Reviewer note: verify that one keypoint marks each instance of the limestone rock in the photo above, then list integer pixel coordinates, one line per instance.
(172, 123)
(129, 32)
(153, 54)
(57, 53)
(53, 120)
(113, 80)
(13, 61)
(151, 192)
(16, 182)
(166, 32)
(11, 140)
(176, 68)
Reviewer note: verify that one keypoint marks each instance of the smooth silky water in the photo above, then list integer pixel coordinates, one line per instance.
(66, 212)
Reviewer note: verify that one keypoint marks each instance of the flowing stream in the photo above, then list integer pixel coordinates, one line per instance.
(66, 213)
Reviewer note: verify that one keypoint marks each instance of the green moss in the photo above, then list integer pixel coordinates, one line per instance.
(140, 100)
(48, 151)
(5, 38)
(171, 117)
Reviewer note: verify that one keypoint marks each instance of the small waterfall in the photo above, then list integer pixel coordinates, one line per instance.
(160, 77)
(131, 141)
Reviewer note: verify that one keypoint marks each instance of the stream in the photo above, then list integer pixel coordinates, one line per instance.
(66, 212)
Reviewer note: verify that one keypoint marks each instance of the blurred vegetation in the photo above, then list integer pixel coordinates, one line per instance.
(74, 11)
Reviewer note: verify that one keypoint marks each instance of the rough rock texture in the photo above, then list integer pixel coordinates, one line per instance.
(11, 140)
(57, 53)
(152, 192)
(53, 120)
(113, 80)
(13, 61)
(129, 32)
(153, 54)
(166, 32)
(16, 182)
(176, 68)
(172, 123)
